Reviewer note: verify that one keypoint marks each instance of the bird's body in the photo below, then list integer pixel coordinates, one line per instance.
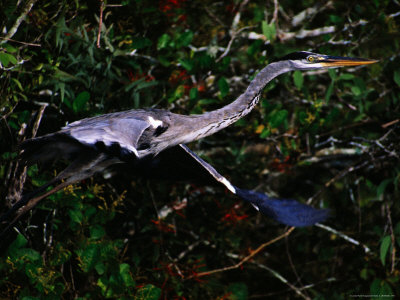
(96, 143)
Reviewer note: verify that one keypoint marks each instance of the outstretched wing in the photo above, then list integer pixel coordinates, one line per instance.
(286, 211)
(116, 134)
(183, 164)
(118, 131)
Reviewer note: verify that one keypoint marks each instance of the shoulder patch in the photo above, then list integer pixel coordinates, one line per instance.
(154, 123)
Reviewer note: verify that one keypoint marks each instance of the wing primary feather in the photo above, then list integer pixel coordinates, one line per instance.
(285, 211)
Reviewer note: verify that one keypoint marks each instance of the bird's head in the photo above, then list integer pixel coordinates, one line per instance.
(304, 60)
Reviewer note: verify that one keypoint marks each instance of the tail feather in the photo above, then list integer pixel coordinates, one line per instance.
(50, 148)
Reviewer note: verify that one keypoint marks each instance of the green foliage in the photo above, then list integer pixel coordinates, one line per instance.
(380, 288)
(385, 245)
(268, 30)
(332, 137)
(148, 292)
(298, 79)
(223, 87)
(80, 101)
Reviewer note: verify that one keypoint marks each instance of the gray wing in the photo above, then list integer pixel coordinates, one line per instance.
(210, 169)
(120, 131)
(116, 134)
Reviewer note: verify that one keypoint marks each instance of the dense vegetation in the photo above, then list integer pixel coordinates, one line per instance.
(330, 138)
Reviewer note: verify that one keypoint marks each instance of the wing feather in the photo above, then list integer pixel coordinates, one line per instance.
(124, 131)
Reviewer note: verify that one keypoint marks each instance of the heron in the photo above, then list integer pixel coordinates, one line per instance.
(142, 137)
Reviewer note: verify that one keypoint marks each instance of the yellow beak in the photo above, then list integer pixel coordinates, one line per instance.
(339, 61)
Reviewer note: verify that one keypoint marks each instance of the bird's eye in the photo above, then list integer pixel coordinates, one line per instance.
(310, 58)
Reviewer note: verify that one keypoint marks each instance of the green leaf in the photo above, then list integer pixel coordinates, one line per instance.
(133, 84)
(89, 257)
(298, 79)
(277, 118)
(381, 288)
(364, 274)
(193, 93)
(356, 90)
(382, 187)
(80, 101)
(238, 291)
(18, 84)
(164, 60)
(184, 39)
(223, 86)
(346, 76)
(178, 93)
(19, 242)
(30, 254)
(163, 41)
(146, 84)
(255, 47)
(100, 268)
(6, 58)
(385, 245)
(140, 42)
(124, 271)
(329, 92)
(61, 87)
(104, 285)
(76, 216)
(265, 133)
(10, 49)
(268, 30)
(332, 74)
(97, 232)
(148, 292)
(396, 77)
(202, 102)
(186, 63)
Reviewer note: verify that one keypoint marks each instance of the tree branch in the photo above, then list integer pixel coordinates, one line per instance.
(19, 20)
(247, 258)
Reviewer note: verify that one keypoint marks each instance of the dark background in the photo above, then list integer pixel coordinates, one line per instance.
(330, 138)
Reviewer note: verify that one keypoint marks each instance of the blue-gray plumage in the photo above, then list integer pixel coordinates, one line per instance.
(284, 211)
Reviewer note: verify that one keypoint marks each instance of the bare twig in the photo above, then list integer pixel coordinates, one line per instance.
(306, 287)
(189, 249)
(305, 33)
(212, 15)
(23, 43)
(275, 15)
(233, 31)
(100, 23)
(247, 258)
(309, 13)
(392, 237)
(38, 119)
(390, 123)
(292, 266)
(32, 203)
(233, 37)
(344, 236)
(284, 280)
(17, 181)
(352, 125)
(14, 28)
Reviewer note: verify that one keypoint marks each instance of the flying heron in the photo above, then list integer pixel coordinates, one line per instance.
(141, 137)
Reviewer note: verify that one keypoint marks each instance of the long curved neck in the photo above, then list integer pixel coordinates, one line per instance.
(213, 121)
